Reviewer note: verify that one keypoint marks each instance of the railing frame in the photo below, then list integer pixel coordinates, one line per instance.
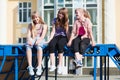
(100, 50)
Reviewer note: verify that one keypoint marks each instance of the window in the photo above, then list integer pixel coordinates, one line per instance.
(48, 17)
(68, 0)
(51, 1)
(88, 62)
(48, 1)
(22, 40)
(70, 16)
(24, 12)
(60, 1)
(91, 1)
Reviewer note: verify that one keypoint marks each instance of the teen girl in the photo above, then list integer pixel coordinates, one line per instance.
(35, 37)
(81, 35)
(58, 38)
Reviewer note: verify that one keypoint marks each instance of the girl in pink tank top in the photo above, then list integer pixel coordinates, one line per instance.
(81, 35)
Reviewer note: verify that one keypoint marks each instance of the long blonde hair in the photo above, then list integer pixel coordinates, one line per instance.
(33, 31)
(85, 12)
(64, 22)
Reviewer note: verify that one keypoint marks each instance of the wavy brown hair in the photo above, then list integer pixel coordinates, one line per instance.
(64, 22)
(33, 32)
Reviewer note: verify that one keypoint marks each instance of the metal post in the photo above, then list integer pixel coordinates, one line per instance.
(16, 68)
(2, 64)
(46, 75)
(105, 68)
(95, 67)
(55, 65)
(108, 69)
(101, 68)
(16, 64)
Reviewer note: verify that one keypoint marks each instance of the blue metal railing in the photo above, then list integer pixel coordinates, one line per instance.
(101, 50)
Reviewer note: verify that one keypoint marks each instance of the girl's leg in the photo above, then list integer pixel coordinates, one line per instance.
(78, 59)
(76, 48)
(29, 52)
(60, 55)
(52, 59)
(52, 62)
(78, 56)
(84, 44)
(61, 44)
(52, 46)
(39, 58)
(60, 65)
(29, 59)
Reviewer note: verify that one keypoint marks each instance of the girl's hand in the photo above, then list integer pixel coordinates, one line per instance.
(37, 42)
(69, 43)
(30, 42)
(47, 42)
(93, 44)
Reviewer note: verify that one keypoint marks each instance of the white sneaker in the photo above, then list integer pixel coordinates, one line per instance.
(39, 71)
(52, 68)
(59, 71)
(30, 69)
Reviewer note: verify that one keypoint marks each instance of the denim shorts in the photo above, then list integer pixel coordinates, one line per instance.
(38, 47)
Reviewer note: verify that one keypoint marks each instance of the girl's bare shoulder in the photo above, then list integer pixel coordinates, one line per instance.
(30, 26)
(45, 26)
(87, 20)
(76, 22)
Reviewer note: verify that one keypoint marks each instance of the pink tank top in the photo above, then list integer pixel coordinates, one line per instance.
(81, 31)
(39, 31)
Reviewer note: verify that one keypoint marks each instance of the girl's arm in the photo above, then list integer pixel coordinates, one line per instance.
(67, 31)
(29, 35)
(73, 34)
(52, 33)
(44, 32)
(90, 32)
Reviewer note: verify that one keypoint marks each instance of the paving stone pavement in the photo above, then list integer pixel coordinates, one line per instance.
(76, 77)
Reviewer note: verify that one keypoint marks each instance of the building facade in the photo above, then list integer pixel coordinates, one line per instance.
(15, 15)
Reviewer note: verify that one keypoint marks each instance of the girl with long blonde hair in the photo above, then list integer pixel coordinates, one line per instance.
(81, 35)
(35, 37)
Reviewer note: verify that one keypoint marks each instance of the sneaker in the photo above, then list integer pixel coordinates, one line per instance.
(75, 61)
(39, 71)
(59, 70)
(52, 68)
(78, 63)
(30, 69)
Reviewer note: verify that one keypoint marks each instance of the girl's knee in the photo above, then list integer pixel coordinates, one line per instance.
(39, 48)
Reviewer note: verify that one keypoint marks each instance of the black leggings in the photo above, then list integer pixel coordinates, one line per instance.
(79, 45)
(57, 43)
